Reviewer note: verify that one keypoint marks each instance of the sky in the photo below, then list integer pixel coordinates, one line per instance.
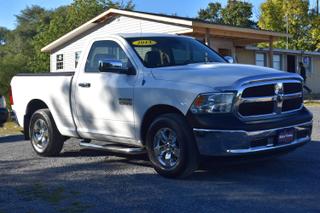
(188, 8)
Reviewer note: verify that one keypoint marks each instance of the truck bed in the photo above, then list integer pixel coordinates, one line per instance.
(46, 74)
(53, 89)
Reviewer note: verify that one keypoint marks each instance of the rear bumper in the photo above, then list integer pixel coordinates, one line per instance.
(216, 142)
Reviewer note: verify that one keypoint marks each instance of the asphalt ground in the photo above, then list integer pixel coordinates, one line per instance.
(90, 181)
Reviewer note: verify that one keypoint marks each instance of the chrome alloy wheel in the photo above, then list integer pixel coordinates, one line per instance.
(166, 148)
(40, 135)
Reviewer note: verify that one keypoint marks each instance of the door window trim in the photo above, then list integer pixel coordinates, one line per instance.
(124, 49)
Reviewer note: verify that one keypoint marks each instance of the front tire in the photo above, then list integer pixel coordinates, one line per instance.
(171, 146)
(45, 138)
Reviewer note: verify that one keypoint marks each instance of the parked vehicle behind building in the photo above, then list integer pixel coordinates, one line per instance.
(3, 110)
(169, 95)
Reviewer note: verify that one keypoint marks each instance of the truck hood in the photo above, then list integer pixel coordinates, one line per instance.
(220, 75)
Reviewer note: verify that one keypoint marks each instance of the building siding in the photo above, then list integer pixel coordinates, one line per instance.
(122, 24)
(314, 76)
(244, 56)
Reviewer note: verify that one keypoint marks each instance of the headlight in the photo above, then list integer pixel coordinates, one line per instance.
(213, 103)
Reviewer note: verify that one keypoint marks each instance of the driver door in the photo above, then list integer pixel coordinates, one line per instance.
(104, 100)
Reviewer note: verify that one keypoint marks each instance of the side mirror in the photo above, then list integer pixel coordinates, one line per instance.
(229, 59)
(115, 66)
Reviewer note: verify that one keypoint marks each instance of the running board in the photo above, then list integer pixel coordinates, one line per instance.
(115, 149)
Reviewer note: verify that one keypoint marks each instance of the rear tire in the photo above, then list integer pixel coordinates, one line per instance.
(171, 146)
(45, 138)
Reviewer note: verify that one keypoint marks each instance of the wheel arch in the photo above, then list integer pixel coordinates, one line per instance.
(151, 114)
(31, 108)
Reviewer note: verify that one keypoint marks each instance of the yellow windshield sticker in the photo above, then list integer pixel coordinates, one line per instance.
(144, 43)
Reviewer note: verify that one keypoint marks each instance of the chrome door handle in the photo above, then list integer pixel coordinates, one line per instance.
(86, 85)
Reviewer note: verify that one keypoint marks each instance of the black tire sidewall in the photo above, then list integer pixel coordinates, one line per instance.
(174, 122)
(54, 136)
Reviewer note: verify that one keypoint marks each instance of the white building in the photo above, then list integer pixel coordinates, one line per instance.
(227, 40)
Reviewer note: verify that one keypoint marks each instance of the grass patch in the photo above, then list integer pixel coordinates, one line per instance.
(55, 196)
(312, 103)
(39, 191)
(10, 128)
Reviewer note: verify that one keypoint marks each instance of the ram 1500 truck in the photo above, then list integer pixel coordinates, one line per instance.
(168, 95)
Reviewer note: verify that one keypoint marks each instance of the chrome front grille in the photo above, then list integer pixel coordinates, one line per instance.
(270, 98)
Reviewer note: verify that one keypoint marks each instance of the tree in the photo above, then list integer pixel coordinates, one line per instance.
(81, 11)
(211, 13)
(27, 27)
(16, 49)
(314, 31)
(236, 13)
(20, 49)
(63, 20)
(57, 26)
(3, 35)
(278, 15)
(128, 5)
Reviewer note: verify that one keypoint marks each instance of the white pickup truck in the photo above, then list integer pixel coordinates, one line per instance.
(168, 95)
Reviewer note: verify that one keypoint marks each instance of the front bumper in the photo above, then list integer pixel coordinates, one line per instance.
(216, 142)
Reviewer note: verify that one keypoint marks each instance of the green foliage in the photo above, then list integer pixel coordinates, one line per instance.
(129, 5)
(48, 32)
(16, 49)
(314, 33)
(64, 19)
(3, 35)
(20, 49)
(236, 13)
(82, 11)
(211, 13)
(303, 25)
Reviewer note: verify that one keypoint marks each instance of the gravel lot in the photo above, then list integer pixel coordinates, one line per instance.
(91, 181)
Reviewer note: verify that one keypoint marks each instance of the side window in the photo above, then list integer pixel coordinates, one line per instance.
(277, 61)
(104, 50)
(260, 59)
(76, 58)
(59, 62)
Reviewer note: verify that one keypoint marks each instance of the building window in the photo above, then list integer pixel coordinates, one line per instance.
(307, 63)
(76, 58)
(277, 62)
(261, 59)
(60, 62)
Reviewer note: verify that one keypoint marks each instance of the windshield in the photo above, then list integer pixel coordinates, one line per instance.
(172, 51)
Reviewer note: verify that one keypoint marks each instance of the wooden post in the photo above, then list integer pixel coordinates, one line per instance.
(207, 37)
(271, 51)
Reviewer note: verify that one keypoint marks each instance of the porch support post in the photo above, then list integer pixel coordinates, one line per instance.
(207, 37)
(270, 52)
